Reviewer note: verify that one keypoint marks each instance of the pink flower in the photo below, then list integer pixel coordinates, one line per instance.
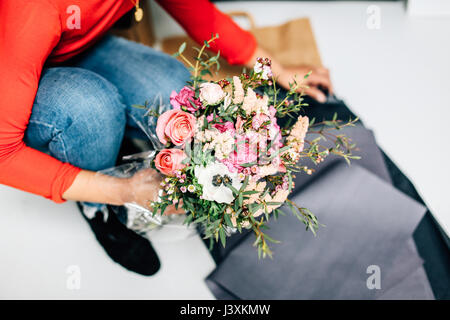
(211, 117)
(183, 189)
(239, 124)
(247, 151)
(222, 127)
(272, 111)
(176, 125)
(258, 120)
(276, 161)
(168, 161)
(230, 165)
(178, 100)
(255, 169)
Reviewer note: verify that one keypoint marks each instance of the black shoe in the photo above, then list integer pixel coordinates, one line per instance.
(123, 245)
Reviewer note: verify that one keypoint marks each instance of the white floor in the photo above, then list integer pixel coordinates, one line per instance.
(390, 76)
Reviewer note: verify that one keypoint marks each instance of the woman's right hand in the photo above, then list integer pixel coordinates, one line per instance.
(143, 189)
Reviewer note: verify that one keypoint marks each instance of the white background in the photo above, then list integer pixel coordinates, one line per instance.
(397, 78)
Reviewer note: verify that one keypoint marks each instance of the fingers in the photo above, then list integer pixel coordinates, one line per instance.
(319, 80)
(326, 73)
(316, 94)
(322, 70)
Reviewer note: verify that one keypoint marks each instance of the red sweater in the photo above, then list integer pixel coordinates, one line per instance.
(35, 31)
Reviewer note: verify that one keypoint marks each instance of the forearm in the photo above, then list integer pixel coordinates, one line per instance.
(90, 186)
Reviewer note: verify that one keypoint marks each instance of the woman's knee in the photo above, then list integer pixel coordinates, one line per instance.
(83, 114)
(161, 75)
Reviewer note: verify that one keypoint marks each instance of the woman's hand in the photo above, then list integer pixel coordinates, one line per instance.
(143, 189)
(314, 86)
(318, 82)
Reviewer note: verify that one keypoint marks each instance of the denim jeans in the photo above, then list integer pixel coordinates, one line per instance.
(83, 109)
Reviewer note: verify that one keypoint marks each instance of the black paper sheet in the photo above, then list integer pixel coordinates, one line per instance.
(368, 223)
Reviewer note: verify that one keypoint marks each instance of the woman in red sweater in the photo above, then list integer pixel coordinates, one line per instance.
(65, 102)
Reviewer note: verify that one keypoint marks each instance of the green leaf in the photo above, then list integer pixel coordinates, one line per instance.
(250, 192)
(272, 203)
(271, 239)
(182, 48)
(233, 189)
(222, 236)
(227, 219)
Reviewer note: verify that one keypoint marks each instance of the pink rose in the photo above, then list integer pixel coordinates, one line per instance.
(168, 161)
(176, 125)
(178, 100)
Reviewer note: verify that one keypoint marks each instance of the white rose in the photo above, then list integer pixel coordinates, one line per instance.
(211, 93)
(219, 193)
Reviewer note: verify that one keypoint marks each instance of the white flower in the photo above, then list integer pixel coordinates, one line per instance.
(265, 70)
(211, 93)
(249, 103)
(267, 170)
(221, 142)
(258, 67)
(226, 102)
(212, 190)
(262, 105)
(238, 91)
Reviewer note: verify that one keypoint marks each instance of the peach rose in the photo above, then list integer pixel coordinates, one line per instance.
(167, 161)
(176, 125)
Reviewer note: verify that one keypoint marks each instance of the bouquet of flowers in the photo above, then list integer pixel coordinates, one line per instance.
(226, 158)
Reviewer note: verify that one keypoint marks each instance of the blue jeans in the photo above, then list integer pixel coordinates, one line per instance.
(83, 110)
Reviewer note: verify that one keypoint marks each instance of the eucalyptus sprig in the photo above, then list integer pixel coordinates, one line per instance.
(203, 62)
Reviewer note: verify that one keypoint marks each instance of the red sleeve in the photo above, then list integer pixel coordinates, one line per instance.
(30, 29)
(200, 19)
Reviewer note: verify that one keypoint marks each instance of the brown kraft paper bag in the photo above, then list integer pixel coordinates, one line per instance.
(292, 44)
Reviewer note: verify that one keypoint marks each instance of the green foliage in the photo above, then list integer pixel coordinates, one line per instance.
(217, 219)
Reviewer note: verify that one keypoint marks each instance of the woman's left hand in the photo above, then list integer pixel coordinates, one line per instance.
(314, 86)
(317, 84)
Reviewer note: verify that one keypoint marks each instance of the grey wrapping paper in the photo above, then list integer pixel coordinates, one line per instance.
(371, 159)
(366, 148)
(415, 286)
(368, 222)
(405, 262)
